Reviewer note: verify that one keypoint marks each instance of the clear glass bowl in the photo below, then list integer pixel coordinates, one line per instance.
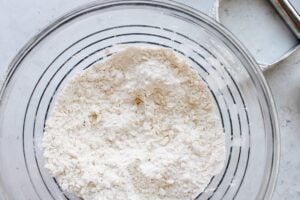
(98, 30)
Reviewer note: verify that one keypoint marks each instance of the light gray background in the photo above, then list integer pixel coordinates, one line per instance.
(22, 19)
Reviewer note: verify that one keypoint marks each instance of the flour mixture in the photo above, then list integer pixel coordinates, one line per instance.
(139, 126)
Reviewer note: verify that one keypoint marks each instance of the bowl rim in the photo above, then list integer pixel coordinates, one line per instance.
(265, 192)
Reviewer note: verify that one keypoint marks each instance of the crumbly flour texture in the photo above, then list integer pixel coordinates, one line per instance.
(139, 126)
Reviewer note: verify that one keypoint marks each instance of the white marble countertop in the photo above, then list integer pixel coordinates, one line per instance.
(20, 20)
(284, 80)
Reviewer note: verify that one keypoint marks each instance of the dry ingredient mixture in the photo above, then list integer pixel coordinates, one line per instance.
(140, 126)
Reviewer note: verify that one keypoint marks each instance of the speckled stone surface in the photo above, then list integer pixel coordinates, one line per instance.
(284, 80)
(21, 20)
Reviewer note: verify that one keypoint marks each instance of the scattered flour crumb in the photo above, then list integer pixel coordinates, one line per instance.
(139, 126)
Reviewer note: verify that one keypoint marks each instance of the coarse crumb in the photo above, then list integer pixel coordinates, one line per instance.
(139, 126)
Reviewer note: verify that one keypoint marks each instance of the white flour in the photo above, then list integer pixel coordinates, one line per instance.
(139, 126)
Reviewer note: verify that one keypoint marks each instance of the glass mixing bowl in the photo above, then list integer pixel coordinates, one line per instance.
(98, 30)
